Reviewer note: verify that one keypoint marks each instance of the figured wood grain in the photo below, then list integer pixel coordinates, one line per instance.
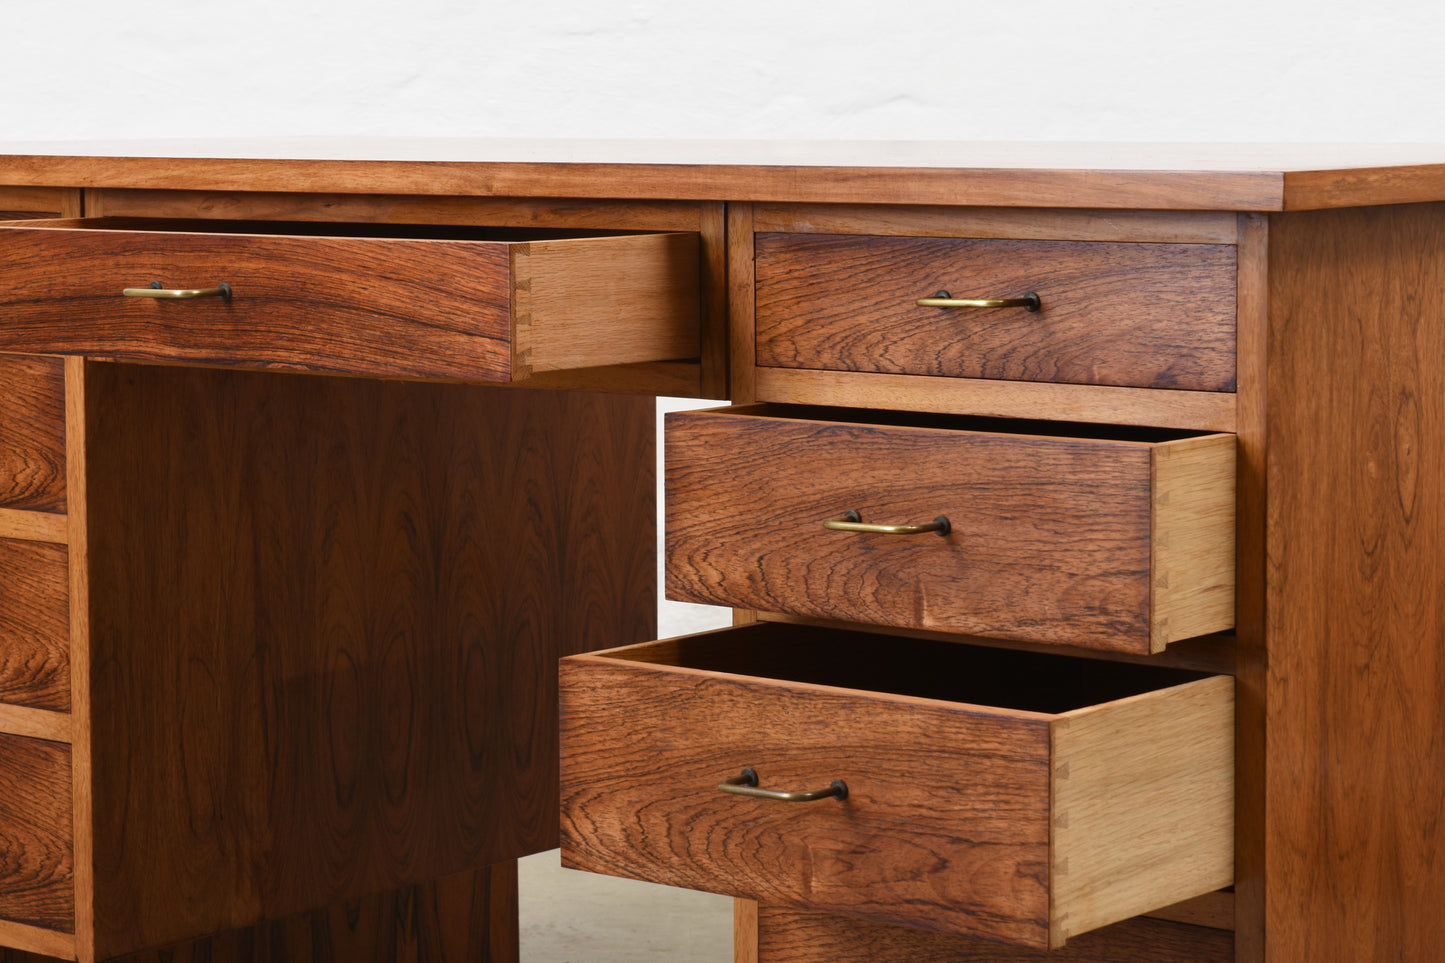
(34, 625)
(32, 433)
(799, 936)
(368, 305)
(36, 861)
(921, 838)
(578, 302)
(804, 706)
(1021, 223)
(1193, 537)
(1201, 410)
(1143, 803)
(33, 526)
(1140, 315)
(366, 587)
(1355, 613)
(748, 493)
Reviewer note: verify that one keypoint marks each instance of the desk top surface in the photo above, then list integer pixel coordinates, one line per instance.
(1245, 177)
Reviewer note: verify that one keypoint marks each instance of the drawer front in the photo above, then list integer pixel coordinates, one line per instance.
(37, 875)
(1027, 819)
(1129, 314)
(32, 432)
(475, 309)
(34, 625)
(1095, 542)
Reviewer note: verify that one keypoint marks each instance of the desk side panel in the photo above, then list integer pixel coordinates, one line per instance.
(1355, 838)
(325, 619)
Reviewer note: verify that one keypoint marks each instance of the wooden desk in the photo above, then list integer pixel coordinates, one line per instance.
(277, 642)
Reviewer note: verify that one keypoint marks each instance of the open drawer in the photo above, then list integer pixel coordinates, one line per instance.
(1013, 796)
(1095, 536)
(472, 304)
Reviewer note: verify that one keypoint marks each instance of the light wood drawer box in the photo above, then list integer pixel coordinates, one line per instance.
(1087, 535)
(36, 851)
(1016, 796)
(461, 303)
(34, 625)
(1127, 314)
(32, 432)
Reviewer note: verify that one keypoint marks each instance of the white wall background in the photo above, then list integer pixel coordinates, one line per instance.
(1313, 70)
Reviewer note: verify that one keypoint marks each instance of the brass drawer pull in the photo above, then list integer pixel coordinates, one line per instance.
(853, 522)
(222, 291)
(943, 299)
(747, 785)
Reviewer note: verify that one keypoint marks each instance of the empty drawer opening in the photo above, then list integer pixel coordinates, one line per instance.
(923, 668)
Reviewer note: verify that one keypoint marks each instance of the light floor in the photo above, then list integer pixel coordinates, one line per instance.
(572, 917)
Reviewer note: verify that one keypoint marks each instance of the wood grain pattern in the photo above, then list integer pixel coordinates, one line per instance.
(748, 491)
(947, 840)
(1200, 410)
(798, 936)
(1140, 315)
(36, 861)
(32, 433)
(920, 839)
(1215, 910)
(17, 203)
(982, 222)
(578, 302)
(1355, 611)
(742, 340)
(1143, 803)
(369, 305)
(34, 526)
(468, 918)
(34, 625)
(1192, 591)
(366, 587)
(20, 943)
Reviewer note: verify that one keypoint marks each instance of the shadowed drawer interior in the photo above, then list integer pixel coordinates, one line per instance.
(1016, 796)
(431, 302)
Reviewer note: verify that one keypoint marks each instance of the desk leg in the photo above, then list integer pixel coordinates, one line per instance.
(324, 616)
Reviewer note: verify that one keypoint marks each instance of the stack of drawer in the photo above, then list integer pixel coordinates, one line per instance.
(1057, 483)
(36, 859)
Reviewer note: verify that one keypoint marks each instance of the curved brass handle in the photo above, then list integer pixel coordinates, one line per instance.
(851, 521)
(222, 291)
(943, 299)
(747, 785)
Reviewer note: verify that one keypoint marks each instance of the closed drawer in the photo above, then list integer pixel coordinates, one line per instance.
(1015, 796)
(34, 625)
(464, 303)
(1087, 535)
(1127, 314)
(32, 432)
(36, 853)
